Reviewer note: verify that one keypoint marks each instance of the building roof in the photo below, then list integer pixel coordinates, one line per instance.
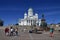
(30, 9)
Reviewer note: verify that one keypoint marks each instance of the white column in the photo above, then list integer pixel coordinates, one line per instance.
(30, 22)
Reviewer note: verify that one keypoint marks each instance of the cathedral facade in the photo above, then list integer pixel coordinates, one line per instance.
(30, 19)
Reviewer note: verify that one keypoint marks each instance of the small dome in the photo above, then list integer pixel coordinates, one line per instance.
(30, 9)
(25, 13)
(36, 14)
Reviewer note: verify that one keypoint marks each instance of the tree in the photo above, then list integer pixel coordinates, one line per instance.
(58, 23)
(16, 24)
(1, 22)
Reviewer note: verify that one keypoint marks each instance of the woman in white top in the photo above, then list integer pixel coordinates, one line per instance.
(11, 31)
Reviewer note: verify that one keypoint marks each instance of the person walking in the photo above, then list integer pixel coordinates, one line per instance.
(11, 31)
(51, 32)
(6, 31)
(16, 31)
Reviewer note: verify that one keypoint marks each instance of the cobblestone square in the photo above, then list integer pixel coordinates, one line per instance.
(29, 36)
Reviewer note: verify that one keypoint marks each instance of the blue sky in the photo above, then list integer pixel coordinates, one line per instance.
(12, 10)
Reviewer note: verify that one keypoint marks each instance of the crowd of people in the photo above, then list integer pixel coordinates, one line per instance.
(14, 31)
(11, 31)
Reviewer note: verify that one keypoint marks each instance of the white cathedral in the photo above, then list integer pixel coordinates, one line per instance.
(30, 19)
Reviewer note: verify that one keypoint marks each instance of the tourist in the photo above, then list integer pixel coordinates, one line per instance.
(16, 31)
(11, 31)
(25, 29)
(6, 31)
(51, 32)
